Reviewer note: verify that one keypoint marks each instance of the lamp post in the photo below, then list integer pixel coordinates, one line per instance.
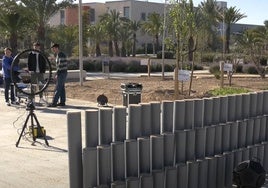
(80, 42)
(163, 42)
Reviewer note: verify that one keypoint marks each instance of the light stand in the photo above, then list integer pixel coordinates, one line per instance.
(30, 107)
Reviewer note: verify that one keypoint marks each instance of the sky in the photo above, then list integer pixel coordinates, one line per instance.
(255, 10)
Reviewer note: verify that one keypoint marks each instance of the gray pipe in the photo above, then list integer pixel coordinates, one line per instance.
(223, 109)
(263, 129)
(75, 149)
(242, 133)
(210, 140)
(133, 182)
(118, 184)
(90, 167)
(170, 177)
(233, 136)
(105, 126)
(144, 155)
(155, 117)
(265, 102)
(259, 103)
(229, 167)
(260, 153)
(131, 158)
(226, 137)
(200, 143)
(91, 127)
(134, 121)
(146, 119)
(198, 113)
(158, 178)
(238, 156)
(231, 107)
(182, 177)
(253, 152)
(146, 181)
(212, 169)
(216, 110)
(245, 105)
(167, 116)
(238, 109)
(156, 152)
(192, 168)
(245, 154)
(218, 139)
(169, 149)
(190, 142)
(104, 164)
(207, 112)
(189, 114)
(117, 158)
(265, 156)
(250, 128)
(220, 177)
(180, 137)
(253, 104)
(203, 173)
(178, 115)
(119, 124)
(256, 130)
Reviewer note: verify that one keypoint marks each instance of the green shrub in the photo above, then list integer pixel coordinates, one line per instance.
(250, 69)
(208, 57)
(118, 66)
(167, 55)
(227, 91)
(239, 68)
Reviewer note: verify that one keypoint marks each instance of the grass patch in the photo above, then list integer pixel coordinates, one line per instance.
(227, 91)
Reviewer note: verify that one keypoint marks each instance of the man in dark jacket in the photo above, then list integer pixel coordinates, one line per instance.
(37, 68)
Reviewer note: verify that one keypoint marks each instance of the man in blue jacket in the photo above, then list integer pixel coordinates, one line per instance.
(6, 70)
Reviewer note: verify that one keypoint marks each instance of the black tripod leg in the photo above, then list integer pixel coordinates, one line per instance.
(40, 129)
(22, 131)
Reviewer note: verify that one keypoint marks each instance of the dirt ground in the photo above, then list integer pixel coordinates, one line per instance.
(157, 89)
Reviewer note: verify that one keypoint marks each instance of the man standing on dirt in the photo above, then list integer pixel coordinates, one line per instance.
(61, 75)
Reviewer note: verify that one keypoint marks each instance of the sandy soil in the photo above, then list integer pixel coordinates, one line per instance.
(156, 89)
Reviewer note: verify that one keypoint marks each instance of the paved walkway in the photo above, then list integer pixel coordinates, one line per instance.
(35, 165)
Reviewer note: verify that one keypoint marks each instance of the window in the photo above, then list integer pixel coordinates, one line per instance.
(143, 16)
(62, 17)
(126, 12)
(92, 15)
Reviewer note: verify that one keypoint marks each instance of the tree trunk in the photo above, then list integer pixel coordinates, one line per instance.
(111, 52)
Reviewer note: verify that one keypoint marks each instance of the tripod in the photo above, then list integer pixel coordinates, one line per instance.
(30, 107)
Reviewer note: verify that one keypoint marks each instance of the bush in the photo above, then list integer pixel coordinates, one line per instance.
(250, 69)
(167, 55)
(215, 70)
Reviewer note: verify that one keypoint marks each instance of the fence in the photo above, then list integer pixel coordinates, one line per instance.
(169, 144)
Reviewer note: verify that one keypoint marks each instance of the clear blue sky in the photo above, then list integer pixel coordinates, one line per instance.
(254, 9)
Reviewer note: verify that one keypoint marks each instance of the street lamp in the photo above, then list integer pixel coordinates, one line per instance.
(163, 42)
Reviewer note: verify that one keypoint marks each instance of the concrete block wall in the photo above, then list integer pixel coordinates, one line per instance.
(181, 144)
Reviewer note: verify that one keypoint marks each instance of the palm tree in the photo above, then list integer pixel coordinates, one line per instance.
(111, 23)
(153, 27)
(252, 45)
(208, 22)
(96, 33)
(230, 15)
(40, 12)
(13, 22)
(134, 26)
(67, 35)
